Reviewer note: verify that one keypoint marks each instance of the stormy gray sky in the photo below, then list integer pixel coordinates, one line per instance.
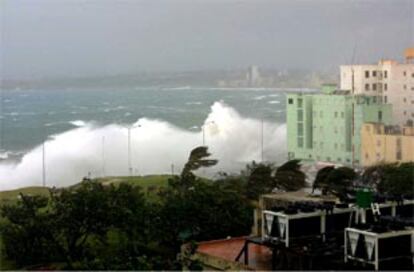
(48, 38)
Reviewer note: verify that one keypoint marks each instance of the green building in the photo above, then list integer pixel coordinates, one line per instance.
(326, 126)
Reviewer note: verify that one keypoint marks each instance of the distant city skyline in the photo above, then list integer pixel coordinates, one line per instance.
(72, 38)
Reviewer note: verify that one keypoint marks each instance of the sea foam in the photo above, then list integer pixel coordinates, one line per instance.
(155, 146)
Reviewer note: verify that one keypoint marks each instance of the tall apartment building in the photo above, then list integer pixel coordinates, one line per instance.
(380, 143)
(326, 126)
(390, 80)
(253, 76)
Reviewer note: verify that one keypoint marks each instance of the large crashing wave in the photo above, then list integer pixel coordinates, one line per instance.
(156, 146)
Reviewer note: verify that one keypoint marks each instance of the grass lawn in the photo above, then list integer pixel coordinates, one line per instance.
(144, 181)
(12, 195)
(148, 183)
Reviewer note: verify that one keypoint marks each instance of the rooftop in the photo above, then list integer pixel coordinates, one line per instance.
(228, 249)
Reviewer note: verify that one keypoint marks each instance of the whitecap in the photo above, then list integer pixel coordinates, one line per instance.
(261, 97)
(78, 123)
(193, 103)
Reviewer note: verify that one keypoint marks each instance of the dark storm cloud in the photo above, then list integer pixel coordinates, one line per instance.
(98, 37)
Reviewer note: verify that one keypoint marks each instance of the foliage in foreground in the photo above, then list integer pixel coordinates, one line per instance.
(112, 227)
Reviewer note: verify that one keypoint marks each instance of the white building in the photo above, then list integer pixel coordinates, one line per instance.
(253, 76)
(392, 81)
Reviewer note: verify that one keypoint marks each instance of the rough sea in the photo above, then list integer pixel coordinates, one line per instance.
(84, 131)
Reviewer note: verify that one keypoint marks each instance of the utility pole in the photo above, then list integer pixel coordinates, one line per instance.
(43, 165)
(129, 128)
(129, 152)
(103, 156)
(262, 138)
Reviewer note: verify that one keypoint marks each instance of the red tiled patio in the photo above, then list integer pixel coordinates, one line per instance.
(260, 257)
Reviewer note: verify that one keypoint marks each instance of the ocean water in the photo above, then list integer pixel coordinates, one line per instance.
(84, 131)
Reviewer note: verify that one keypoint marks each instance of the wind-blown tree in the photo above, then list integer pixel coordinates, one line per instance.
(336, 181)
(198, 159)
(393, 178)
(289, 177)
(260, 180)
(263, 178)
(203, 212)
(320, 179)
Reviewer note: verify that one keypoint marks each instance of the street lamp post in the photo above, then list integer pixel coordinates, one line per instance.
(129, 147)
(43, 165)
(103, 156)
(262, 138)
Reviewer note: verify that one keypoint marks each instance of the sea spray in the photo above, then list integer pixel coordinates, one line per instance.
(155, 146)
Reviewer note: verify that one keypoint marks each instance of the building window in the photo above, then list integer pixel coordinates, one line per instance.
(290, 101)
(385, 99)
(300, 142)
(412, 75)
(405, 112)
(405, 100)
(336, 114)
(366, 156)
(366, 74)
(300, 115)
(380, 116)
(300, 129)
(385, 74)
(405, 87)
(374, 73)
(367, 87)
(385, 86)
(300, 102)
(405, 73)
(374, 87)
